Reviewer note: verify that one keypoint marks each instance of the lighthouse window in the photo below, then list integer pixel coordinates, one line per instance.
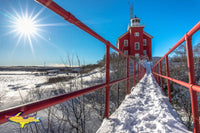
(144, 42)
(137, 46)
(137, 34)
(126, 52)
(145, 52)
(125, 43)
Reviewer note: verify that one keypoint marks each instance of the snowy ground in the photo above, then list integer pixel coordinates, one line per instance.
(146, 109)
(16, 85)
(13, 83)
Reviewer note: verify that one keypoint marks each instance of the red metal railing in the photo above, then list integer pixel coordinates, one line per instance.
(42, 104)
(192, 84)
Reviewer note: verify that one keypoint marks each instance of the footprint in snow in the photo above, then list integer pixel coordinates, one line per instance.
(150, 125)
(149, 117)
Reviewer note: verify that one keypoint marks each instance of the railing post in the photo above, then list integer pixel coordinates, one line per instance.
(168, 82)
(127, 74)
(157, 73)
(138, 73)
(161, 82)
(107, 80)
(152, 70)
(134, 73)
(191, 75)
(142, 72)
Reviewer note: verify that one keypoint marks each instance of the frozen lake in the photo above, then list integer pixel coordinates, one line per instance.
(16, 83)
(17, 86)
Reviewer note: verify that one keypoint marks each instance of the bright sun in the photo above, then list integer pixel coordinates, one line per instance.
(26, 26)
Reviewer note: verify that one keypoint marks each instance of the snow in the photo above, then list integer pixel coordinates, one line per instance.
(12, 83)
(29, 81)
(17, 84)
(145, 109)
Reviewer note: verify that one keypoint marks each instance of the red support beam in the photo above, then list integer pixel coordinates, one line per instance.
(168, 82)
(127, 75)
(191, 75)
(161, 82)
(138, 73)
(141, 72)
(134, 73)
(157, 72)
(158, 76)
(107, 81)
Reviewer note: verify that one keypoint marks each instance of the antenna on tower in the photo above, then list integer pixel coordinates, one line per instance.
(131, 9)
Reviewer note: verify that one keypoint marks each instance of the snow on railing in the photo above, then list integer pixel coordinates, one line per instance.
(42, 104)
(191, 73)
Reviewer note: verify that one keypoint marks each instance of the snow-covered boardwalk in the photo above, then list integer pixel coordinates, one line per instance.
(146, 109)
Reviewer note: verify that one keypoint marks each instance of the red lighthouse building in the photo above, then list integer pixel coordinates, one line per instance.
(135, 42)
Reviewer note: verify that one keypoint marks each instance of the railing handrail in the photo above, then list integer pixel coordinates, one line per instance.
(192, 84)
(189, 33)
(72, 19)
(45, 103)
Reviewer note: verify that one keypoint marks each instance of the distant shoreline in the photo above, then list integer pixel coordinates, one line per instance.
(33, 68)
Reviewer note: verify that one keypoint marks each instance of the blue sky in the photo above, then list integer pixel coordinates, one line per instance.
(166, 20)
